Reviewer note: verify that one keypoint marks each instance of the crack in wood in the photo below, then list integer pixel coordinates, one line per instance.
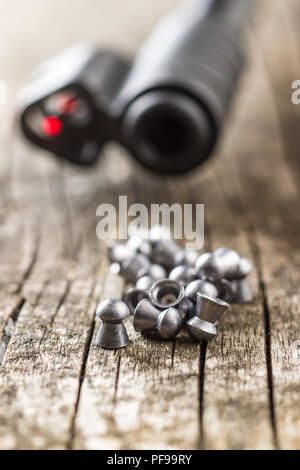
(61, 302)
(173, 353)
(267, 329)
(201, 393)
(260, 353)
(250, 233)
(86, 352)
(30, 266)
(119, 358)
(268, 349)
(9, 327)
(72, 431)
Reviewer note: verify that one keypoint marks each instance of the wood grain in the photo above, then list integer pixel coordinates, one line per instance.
(57, 389)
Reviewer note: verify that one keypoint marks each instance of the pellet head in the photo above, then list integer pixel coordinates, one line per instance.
(201, 330)
(140, 245)
(112, 311)
(145, 283)
(184, 274)
(164, 253)
(209, 266)
(200, 286)
(228, 260)
(157, 272)
(118, 252)
(169, 323)
(244, 268)
(187, 257)
(135, 267)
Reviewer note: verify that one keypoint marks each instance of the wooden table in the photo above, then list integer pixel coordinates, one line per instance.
(58, 390)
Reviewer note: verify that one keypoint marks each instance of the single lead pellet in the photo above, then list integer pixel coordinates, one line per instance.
(202, 326)
(112, 333)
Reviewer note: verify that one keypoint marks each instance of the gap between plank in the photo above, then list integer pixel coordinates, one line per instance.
(268, 344)
(69, 445)
(267, 328)
(173, 353)
(203, 349)
(61, 301)
(59, 305)
(86, 352)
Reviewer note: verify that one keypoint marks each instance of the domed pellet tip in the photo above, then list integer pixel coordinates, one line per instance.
(118, 252)
(200, 286)
(164, 253)
(166, 293)
(188, 257)
(228, 260)
(169, 323)
(145, 316)
(112, 333)
(133, 296)
(184, 274)
(135, 267)
(145, 283)
(140, 245)
(112, 311)
(210, 309)
(201, 330)
(242, 291)
(209, 267)
(244, 268)
(157, 272)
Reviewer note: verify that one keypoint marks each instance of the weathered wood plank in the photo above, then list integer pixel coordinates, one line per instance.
(62, 227)
(269, 208)
(235, 409)
(231, 373)
(151, 401)
(149, 406)
(281, 58)
(60, 391)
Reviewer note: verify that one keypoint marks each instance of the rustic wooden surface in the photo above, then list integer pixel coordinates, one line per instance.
(59, 391)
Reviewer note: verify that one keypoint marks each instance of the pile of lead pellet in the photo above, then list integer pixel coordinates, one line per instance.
(170, 288)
